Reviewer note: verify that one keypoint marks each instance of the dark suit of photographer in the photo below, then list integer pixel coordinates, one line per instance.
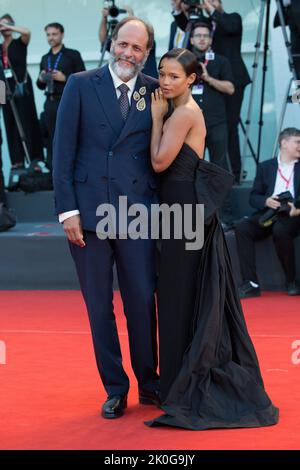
(210, 93)
(291, 11)
(55, 68)
(2, 186)
(216, 83)
(273, 177)
(227, 40)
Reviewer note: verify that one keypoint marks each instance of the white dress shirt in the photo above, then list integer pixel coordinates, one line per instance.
(117, 82)
(287, 170)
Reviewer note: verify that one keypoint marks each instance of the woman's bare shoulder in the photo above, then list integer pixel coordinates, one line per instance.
(185, 111)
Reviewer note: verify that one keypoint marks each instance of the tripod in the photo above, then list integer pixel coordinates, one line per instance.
(111, 24)
(294, 79)
(265, 15)
(11, 101)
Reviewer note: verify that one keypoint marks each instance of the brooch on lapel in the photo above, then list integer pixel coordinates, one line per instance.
(141, 102)
(141, 105)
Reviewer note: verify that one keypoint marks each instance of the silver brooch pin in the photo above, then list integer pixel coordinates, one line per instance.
(136, 96)
(141, 105)
(143, 91)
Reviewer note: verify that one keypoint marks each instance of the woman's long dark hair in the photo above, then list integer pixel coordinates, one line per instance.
(187, 60)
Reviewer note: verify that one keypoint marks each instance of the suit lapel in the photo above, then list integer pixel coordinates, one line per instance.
(297, 179)
(136, 118)
(273, 175)
(108, 98)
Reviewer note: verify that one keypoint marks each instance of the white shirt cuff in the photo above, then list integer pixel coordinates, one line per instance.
(66, 215)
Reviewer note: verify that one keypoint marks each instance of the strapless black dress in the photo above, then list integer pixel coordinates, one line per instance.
(210, 376)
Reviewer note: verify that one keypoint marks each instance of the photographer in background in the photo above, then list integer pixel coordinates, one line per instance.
(150, 67)
(291, 11)
(55, 68)
(273, 177)
(177, 36)
(227, 40)
(216, 83)
(13, 54)
(7, 217)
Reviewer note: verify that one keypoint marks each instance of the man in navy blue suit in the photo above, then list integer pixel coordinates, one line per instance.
(273, 177)
(102, 152)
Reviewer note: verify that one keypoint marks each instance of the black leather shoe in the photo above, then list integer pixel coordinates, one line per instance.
(247, 290)
(149, 398)
(293, 288)
(114, 407)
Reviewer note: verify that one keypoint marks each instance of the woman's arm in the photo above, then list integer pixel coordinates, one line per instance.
(166, 146)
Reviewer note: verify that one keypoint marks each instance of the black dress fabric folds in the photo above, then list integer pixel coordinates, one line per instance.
(210, 376)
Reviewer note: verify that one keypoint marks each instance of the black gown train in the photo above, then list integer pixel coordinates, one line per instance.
(210, 376)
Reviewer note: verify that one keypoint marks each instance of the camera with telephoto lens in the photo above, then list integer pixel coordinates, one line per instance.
(113, 10)
(268, 219)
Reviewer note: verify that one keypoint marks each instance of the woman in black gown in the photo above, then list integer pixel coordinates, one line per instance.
(210, 376)
(13, 55)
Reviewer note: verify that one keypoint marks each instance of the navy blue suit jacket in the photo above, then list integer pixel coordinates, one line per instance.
(264, 183)
(96, 157)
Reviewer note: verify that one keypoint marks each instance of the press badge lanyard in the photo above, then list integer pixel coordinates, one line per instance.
(56, 62)
(7, 68)
(287, 180)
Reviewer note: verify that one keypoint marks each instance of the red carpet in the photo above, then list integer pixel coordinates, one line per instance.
(50, 394)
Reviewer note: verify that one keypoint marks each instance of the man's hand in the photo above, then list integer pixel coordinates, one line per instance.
(42, 76)
(207, 6)
(58, 76)
(176, 5)
(105, 13)
(6, 27)
(205, 76)
(293, 212)
(73, 230)
(272, 203)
